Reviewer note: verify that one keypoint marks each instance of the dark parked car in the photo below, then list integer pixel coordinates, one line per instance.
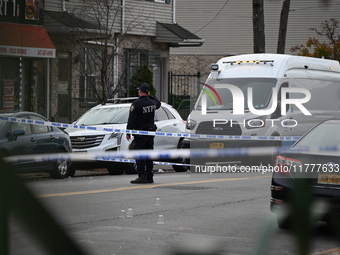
(309, 174)
(18, 138)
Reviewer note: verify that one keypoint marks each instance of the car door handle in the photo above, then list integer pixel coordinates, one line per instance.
(159, 129)
(52, 137)
(33, 140)
(175, 124)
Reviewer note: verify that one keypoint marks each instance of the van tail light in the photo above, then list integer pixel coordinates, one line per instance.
(286, 166)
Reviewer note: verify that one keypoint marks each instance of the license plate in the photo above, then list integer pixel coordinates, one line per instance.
(328, 178)
(216, 145)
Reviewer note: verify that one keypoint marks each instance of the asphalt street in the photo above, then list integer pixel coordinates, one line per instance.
(208, 214)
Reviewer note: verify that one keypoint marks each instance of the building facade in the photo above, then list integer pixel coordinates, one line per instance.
(96, 49)
(25, 51)
(227, 28)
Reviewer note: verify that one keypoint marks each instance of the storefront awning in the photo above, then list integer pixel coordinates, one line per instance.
(176, 36)
(25, 41)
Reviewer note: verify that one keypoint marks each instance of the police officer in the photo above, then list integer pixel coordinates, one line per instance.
(142, 117)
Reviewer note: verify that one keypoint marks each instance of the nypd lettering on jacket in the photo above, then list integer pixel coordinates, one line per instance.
(142, 113)
(149, 108)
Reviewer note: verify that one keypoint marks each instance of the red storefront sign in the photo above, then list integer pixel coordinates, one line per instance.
(25, 41)
(9, 95)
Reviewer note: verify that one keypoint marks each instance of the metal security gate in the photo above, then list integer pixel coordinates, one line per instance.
(183, 91)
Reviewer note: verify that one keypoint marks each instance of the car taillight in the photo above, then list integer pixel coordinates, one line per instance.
(286, 166)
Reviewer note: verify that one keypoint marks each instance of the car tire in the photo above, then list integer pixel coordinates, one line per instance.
(130, 168)
(182, 161)
(71, 171)
(61, 169)
(118, 170)
(3, 154)
(284, 223)
(182, 168)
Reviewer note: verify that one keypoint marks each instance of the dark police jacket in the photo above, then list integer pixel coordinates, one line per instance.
(142, 113)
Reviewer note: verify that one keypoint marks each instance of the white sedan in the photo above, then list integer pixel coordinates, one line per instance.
(115, 116)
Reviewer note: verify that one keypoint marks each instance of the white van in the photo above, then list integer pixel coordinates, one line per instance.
(289, 95)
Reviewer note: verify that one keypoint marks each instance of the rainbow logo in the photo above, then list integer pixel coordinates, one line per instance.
(210, 91)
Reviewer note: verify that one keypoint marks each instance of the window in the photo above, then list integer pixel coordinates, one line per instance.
(326, 134)
(19, 125)
(63, 67)
(134, 61)
(262, 92)
(89, 68)
(86, 85)
(105, 115)
(39, 128)
(170, 115)
(160, 114)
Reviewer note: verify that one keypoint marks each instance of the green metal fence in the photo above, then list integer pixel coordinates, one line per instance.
(183, 91)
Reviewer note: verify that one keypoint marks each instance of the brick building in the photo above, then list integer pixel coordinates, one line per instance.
(93, 51)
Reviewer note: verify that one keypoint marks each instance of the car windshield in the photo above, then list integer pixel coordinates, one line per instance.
(223, 98)
(326, 134)
(105, 115)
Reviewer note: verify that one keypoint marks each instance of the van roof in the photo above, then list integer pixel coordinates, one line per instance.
(271, 65)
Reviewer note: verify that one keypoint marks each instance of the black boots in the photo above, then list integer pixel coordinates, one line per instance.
(140, 179)
(143, 179)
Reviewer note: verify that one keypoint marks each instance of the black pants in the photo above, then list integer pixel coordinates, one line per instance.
(144, 167)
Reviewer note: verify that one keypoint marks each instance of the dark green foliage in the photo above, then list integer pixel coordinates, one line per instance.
(143, 75)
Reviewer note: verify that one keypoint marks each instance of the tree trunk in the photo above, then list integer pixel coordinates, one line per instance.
(258, 26)
(283, 27)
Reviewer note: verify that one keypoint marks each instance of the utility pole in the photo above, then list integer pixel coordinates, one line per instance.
(258, 27)
(283, 27)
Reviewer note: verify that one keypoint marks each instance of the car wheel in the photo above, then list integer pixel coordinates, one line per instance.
(130, 168)
(284, 222)
(182, 161)
(3, 154)
(61, 168)
(182, 168)
(71, 171)
(115, 170)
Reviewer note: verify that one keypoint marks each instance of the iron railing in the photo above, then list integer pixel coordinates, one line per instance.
(183, 91)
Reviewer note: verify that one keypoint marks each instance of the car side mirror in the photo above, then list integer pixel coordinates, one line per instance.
(17, 133)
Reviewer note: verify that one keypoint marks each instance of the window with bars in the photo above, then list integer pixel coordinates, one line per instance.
(87, 82)
(134, 59)
(63, 68)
